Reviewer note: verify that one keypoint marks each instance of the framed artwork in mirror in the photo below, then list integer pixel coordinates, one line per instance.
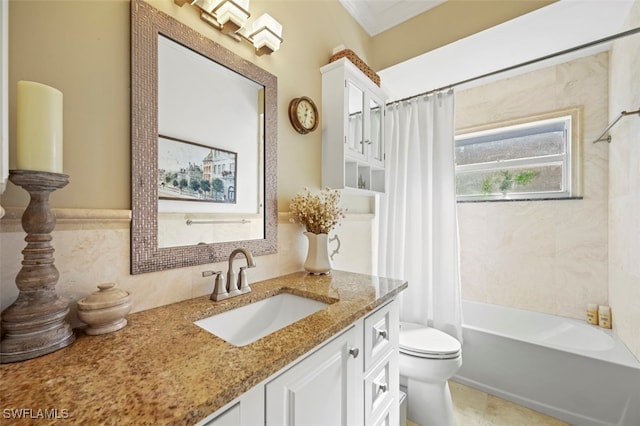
(188, 171)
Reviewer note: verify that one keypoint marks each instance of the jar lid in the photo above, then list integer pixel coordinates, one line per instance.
(106, 297)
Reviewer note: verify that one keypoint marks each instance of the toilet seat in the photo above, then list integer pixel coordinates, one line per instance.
(426, 342)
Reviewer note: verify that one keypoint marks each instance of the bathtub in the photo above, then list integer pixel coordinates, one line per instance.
(566, 368)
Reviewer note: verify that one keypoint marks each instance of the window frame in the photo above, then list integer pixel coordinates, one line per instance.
(572, 175)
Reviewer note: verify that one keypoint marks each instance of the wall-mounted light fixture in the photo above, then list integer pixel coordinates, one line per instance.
(231, 17)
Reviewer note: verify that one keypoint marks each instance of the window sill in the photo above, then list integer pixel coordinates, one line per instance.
(502, 200)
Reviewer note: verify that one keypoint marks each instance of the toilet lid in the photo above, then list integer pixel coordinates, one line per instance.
(426, 342)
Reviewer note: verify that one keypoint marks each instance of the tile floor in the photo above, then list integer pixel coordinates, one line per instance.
(475, 408)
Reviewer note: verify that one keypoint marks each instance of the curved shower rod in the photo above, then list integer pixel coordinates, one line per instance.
(601, 138)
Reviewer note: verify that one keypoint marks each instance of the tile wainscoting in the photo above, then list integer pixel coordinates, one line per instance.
(93, 247)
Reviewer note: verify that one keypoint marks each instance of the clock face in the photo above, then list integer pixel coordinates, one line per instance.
(306, 114)
(303, 115)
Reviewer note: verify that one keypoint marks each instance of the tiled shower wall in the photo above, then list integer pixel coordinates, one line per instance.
(624, 188)
(546, 256)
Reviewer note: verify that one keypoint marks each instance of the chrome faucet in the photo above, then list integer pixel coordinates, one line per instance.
(222, 290)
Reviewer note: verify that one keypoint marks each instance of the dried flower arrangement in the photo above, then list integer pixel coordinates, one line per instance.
(318, 213)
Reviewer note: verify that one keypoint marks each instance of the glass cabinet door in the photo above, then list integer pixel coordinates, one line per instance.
(355, 130)
(376, 146)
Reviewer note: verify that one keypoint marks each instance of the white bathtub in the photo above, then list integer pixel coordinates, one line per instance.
(563, 367)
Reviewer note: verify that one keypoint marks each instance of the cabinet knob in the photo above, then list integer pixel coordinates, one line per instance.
(354, 352)
(382, 387)
(382, 333)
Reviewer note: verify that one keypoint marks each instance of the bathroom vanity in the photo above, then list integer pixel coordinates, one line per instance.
(339, 362)
(351, 379)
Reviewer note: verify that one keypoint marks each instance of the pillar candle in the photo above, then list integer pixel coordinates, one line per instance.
(39, 128)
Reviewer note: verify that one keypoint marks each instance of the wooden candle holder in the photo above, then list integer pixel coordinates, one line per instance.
(35, 324)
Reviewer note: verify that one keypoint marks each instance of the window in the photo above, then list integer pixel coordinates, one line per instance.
(528, 160)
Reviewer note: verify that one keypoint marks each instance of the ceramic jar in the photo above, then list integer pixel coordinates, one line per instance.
(104, 311)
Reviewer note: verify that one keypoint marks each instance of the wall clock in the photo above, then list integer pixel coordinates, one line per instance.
(303, 114)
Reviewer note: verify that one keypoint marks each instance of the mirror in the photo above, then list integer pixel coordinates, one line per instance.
(203, 148)
(210, 171)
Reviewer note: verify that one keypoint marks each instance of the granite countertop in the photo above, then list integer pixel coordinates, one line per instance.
(163, 369)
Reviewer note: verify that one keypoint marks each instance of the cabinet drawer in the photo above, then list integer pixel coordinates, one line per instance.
(380, 330)
(378, 394)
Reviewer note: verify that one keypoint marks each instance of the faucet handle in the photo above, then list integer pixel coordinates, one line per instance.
(219, 288)
(243, 283)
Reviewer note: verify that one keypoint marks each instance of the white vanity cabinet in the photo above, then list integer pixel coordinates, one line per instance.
(353, 143)
(351, 379)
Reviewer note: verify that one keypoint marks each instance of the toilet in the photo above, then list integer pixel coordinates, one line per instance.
(428, 359)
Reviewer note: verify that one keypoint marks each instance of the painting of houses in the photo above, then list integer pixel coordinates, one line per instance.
(190, 171)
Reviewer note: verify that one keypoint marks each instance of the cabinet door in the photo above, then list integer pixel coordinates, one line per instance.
(320, 390)
(375, 137)
(355, 136)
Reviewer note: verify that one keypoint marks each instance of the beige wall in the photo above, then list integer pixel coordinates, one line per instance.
(82, 48)
(624, 188)
(546, 256)
(448, 22)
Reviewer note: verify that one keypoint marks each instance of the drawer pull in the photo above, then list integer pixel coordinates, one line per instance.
(354, 352)
(381, 333)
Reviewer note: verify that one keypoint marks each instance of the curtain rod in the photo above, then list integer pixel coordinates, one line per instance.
(530, 62)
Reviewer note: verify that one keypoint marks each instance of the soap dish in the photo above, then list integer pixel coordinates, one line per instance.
(104, 310)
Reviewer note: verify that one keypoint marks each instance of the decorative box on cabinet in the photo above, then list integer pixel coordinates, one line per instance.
(353, 137)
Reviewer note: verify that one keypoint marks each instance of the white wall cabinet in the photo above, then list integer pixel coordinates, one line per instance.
(353, 136)
(352, 379)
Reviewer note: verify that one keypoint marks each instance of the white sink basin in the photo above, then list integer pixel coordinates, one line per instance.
(248, 323)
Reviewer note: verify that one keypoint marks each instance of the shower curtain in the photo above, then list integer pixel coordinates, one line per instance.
(418, 225)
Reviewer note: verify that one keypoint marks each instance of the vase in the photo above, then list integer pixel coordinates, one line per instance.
(318, 260)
